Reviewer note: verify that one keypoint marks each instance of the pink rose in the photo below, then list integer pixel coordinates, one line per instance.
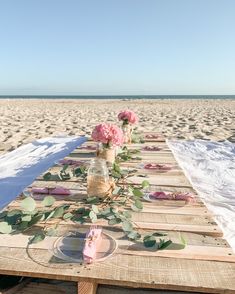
(128, 116)
(108, 134)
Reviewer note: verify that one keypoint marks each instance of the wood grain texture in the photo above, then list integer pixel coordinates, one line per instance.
(206, 265)
(126, 270)
(87, 288)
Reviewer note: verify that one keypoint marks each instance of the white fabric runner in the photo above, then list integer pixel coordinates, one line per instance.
(19, 168)
(210, 167)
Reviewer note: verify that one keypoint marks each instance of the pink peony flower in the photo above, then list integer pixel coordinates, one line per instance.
(108, 134)
(128, 116)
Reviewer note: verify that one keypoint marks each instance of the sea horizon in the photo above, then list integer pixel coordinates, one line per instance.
(122, 97)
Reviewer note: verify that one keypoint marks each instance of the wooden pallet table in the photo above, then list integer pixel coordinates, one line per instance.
(205, 265)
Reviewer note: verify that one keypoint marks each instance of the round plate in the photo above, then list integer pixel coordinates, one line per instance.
(70, 246)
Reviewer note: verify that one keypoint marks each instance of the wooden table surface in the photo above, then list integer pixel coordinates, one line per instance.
(205, 265)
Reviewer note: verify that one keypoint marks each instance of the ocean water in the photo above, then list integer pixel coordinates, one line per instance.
(119, 97)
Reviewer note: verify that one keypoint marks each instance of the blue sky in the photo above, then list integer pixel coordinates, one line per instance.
(117, 47)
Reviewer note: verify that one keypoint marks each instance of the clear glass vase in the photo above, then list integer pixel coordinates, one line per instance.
(98, 183)
(109, 154)
(127, 133)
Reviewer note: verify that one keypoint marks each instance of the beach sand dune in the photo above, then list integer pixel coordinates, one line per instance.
(24, 120)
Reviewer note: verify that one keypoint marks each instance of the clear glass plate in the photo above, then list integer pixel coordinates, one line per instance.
(70, 246)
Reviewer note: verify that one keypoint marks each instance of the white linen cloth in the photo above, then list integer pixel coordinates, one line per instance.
(19, 168)
(210, 167)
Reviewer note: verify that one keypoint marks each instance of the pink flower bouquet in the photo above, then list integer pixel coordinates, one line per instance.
(128, 117)
(109, 135)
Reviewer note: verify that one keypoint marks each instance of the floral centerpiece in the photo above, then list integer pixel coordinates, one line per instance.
(109, 137)
(128, 119)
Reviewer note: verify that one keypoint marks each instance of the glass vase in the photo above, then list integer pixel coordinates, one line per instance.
(127, 133)
(109, 154)
(98, 183)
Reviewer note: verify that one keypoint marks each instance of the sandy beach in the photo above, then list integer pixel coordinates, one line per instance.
(23, 121)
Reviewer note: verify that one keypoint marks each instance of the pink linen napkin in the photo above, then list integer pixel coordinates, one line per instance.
(156, 166)
(71, 162)
(172, 196)
(51, 191)
(152, 136)
(151, 148)
(93, 240)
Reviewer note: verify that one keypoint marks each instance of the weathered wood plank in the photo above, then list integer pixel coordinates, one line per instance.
(207, 259)
(87, 288)
(135, 271)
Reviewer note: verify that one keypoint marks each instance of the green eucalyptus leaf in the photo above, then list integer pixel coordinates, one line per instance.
(3, 214)
(65, 206)
(65, 166)
(183, 241)
(49, 214)
(116, 175)
(79, 171)
(111, 216)
(114, 210)
(92, 200)
(26, 218)
(127, 226)
(137, 192)
(149, 241)
(114, 221)
(127, 214)
(133, 235)
(37, 238)
(86, 213)
(106, 211)
(48, 201)
(12, 220)
(95, 208)
(14, 212)
(78, 219)
(145, 184)
(55, 178)
(35, 219)
(116, 167)
(138, 204)
(164, 244)
(51, 232)
(67, 215)
(134, 208)
(47, 176)
(157, 234)
(28, 204)
(5, 228)
(58, 212)
(93, 216)
(65, 176)
(80, 210)
(23, 225)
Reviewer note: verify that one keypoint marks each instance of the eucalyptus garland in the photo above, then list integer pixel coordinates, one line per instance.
(115, 209)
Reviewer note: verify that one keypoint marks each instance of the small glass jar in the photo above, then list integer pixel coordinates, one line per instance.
(127, 133)
(98, 183)
(109, 154)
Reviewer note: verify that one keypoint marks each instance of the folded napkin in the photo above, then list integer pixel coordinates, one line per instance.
(88, 147)
(93, 240)
(71, 162)
(51, 191)
(151, 148)
(156, 166)
(151, 136)
(172, 196)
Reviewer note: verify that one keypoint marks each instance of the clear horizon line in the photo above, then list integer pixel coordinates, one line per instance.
(118, 95)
